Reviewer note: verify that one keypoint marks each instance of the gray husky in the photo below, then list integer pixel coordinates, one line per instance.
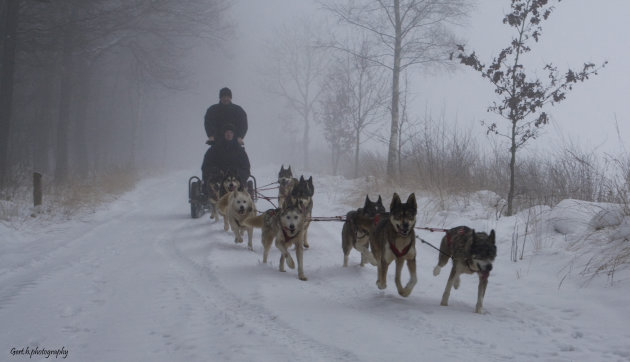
(355, 235)
(303, 193)
(287, 182)
(286, 226)
(472, 252)
(394, 239)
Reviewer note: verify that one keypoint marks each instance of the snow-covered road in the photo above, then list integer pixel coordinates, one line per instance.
(139, 280)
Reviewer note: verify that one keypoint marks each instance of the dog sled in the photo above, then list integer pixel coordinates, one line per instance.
(200, 199)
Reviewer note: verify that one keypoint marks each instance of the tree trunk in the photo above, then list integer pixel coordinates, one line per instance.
(9, 41)
(65, 97)
(42, 128)
(356, 154)
(83, 154)
(393, 140)
(512, 167)
(305, 140)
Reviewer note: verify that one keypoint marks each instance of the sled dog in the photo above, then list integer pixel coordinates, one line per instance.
(235, 207)
(303, 193)
(213, 188)
(286, 226)
(230, 183)
(472, 252)
(354, 235)
(394, 239)
(287, 182)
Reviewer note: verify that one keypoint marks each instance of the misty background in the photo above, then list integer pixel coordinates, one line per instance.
(113, 87)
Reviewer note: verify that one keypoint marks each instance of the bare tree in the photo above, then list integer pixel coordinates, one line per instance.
(367, 91)
(296, 71)
(522, 98)
(91, 65)
(405, 33)
(336, 113)
(8, 27)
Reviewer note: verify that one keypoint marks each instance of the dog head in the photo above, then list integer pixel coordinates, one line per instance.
(230, 181)
(483, 251)
(371, 208)
(241, 201)
(303, 192)
(291, 216)
(285, 176)
(403, 216)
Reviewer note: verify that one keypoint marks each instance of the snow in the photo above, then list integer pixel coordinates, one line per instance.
(139, 280)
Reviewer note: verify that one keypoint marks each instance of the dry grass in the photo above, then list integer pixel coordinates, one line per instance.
(80, 195)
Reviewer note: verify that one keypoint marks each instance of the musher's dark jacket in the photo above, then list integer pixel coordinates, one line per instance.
(218, 115)
(224, 156)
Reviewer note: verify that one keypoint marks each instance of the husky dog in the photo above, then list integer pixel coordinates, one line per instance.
(286, 226)
(394, 238)
(230, 182)
(287, 183)
(353, 235)
(303, 193)
(221, 185)
(212, 190)
(235, 207)
(472, 252)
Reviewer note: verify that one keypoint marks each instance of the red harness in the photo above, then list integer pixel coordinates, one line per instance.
(397, 252)
(448, 235)
(287, 239)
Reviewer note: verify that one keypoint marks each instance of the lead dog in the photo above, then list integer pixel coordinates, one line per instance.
(394, 239)
(235, 207)
(472, 252)
(286, 226)
(355, 234)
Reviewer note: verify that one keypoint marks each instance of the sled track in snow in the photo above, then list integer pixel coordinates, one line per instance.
(200, 279)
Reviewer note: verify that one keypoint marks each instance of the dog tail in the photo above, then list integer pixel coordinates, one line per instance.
(255, 221)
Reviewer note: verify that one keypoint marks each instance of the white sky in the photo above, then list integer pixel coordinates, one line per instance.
(578, 31)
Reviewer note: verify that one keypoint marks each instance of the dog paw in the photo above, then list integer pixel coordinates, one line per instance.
(381, 285)
(444, 304)
(250, 247)
(306, 246)
(436, 270)
(404, 292)
(303, 278)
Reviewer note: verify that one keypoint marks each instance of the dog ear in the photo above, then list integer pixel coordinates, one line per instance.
(282, 168)
(289, 169)
(380, 200)
(412, 200)
(395, 201)
(492, 236)
(367, 200)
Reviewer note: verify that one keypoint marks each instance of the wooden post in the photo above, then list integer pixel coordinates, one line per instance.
(37, 188)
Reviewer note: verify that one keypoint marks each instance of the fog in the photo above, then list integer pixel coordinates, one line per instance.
(158, 118)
